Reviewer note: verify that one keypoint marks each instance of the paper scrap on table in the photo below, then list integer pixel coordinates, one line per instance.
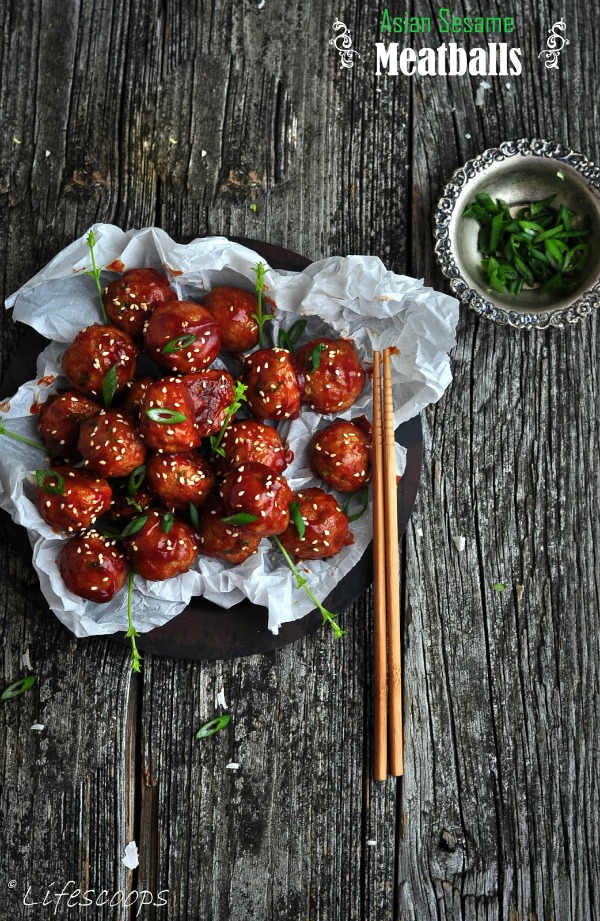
(131, 858)
(353, 296)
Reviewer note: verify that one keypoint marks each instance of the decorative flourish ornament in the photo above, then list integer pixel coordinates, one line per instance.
(343, 44)
(555, 43)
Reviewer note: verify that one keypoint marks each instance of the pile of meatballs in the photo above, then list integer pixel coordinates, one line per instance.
(135, 481)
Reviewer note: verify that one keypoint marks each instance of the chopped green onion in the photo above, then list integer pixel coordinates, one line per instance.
(297, 518)
(315, 356)
(134, 526)
(287, 339)
(363, 497)
(213, 726)
(194, 515)
(179, 343)
(42, 475)
(166, 522)
(165, 416)
(18, 687)
(240, 519)
(135, 479)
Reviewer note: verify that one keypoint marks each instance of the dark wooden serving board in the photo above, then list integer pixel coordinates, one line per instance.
(205, 630)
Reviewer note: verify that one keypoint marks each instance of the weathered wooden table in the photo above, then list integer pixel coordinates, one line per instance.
(183, 115)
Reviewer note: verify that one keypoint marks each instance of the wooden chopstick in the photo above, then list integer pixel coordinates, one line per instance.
(392, 581)
(380, 627)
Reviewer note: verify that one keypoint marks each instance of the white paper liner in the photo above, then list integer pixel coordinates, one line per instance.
(352, 296)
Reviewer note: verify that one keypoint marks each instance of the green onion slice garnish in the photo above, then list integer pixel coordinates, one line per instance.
(18, 687)
(213, 726)
(165, 416)
(41, 476)
(179, 343)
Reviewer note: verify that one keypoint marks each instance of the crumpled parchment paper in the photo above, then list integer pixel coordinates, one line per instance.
(353, 296)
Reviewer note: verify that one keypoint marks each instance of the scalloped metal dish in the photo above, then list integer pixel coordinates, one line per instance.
(518, 171)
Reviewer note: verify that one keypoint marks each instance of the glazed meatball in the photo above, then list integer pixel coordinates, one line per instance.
(132, 396)
(341, 455)
(60, 420)
(165, 547)
(254, 441)
(233, 309)
(333, 377)
(167, 423)
(180, 479)
(93, 353)
(129, 300)
(326, 527)
(273, 391)
(256, 491)
(182, 336)
(110, 444)
(126, 506)
(221, 540)
(71, 500)
(93, 567)
(212, 392)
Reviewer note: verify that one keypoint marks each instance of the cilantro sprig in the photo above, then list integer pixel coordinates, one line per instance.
(239, 397)
(261, 318)
(27, 441)
(301, 582)
(541, 247)
(131, 631)
(95, 271)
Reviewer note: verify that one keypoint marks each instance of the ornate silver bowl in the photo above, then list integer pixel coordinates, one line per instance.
(519, 172)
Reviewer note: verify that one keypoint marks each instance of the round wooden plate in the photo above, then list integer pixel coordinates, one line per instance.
(204, 631)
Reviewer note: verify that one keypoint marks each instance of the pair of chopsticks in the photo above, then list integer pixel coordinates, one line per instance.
(387, 658)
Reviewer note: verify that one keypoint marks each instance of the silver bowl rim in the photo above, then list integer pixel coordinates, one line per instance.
(559, 318)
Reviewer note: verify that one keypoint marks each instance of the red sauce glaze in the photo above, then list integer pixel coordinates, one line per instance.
(273, 391)
(338, 380)
(132, 396)
(110, 445)
(176, 319)
(169, 437)
(130, 300)
(93, 567)
(93, 353)
(115, 266)
(340, 455)
(212, 392)
(221, 540)
(47, 380)
(180, 479)
(61, 417)
(125, 506)
(326, 527)
(157, 555)
(254, 441)
(232, 308)
(35, 408)
(258, 491)
(84, 498)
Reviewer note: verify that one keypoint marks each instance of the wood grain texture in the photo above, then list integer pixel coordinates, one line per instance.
(184, 114)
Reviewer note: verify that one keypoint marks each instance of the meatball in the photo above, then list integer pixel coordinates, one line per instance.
(167, 417)
(182, 336)
(110, 444)
(333, 377)
(233, 309)
(221, 540)
(325, 527)
(212, 393)
(254, 491)
(93, 567)
(70, 500)
(341, 455)
(165, 547)
(133, 394)
(93, 353)
(129, 300)
(254, 441)
(180, 479)
(126, 506)
(60, 419)
(273, 391)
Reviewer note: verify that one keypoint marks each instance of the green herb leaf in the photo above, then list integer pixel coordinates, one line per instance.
(95, 271)
(213, 726)
(134, 526)
(179, 343)
(253, 207)
(260, 269)
(110, 385)
(240, 519)
(287, 339)
(165, 416)
(27, 441)
(361, 496)
(41, 476)
(131, 631)
(239, 397)
(194, 515)
(315, 356)
(297, 518)
(135, 479)
(166, 522)
(301, 582)
(17, 688)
